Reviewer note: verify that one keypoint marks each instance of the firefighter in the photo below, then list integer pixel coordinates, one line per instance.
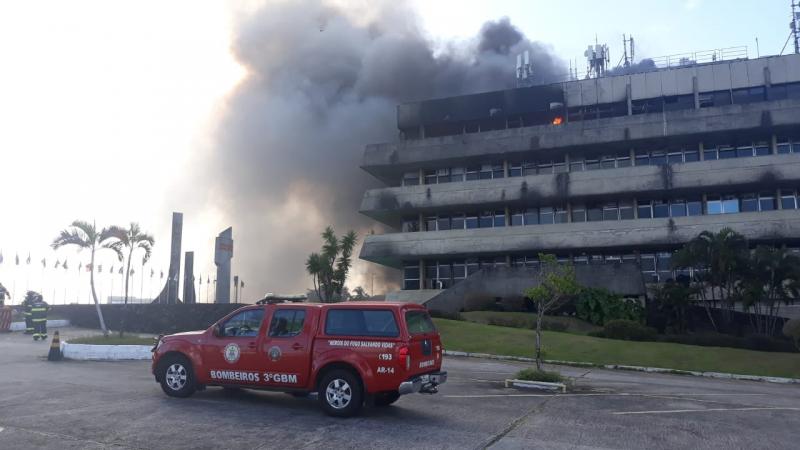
(27, 304)
(3, 294)
(39, 318)
(5, 311)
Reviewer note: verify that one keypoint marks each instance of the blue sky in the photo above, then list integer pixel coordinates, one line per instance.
(659, 27)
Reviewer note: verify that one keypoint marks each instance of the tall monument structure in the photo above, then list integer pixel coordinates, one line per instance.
(188, 279)
(169, 294)
(223, 252)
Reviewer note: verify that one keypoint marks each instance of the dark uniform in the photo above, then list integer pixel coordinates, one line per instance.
(28, 305)
(39, 319)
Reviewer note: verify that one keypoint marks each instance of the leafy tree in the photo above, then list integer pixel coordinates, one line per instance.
(557, 285)
(672, 299)
(84, 235)
(129, 240)
(330, 266)
(719, 259)
(359, 293)
(771, 278)
(598, 306)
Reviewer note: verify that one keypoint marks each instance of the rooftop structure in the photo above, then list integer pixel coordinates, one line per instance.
(607, 170)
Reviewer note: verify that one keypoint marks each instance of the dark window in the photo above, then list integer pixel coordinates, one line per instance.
(608, 162)
(546, 167)
(694, 207)
(430, 223)
(287, 322)
(744, 152)
(691, 156)
(660, 209)
(727, 153)
(410, 284)
(443, 223)
(528, 168)
(457, 174)
(561, 215)
(486, 220)
(457, 222)
(577, 166)
(675, 157)
(443, 176)
(594, 213)
(430, 177)
(419, 322)
(709, 154)
(471, 222)
(658, 159)
(472, 173)
(410, 224)
(545, 215)
(784, 147)
(610, 211)
(531, 216)
(515, 170)
(472, 266)
(498, 171)
(592, 164)
(578, 213)
(516, 219)
(788, 200)
(624, 160)
(677, 208)
(411, 179)
(361, 322)
(749, 203)
(244, 324)
(626, 210)
(766, 201)
(645, 210)
(642, 158)
(499, 218)
(763, 150)
(486, 172)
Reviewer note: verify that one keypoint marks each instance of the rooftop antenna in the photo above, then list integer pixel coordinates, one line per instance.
(597, 59)
(524, 69)
(795, 25)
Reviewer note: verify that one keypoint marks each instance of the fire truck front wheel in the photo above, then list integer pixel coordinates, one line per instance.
(177, 377)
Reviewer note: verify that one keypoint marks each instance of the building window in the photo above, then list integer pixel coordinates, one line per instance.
(471, 222)
(515, 170)
(608, 162)
(430, 177)
(766, 201)
(713, 204)
(457, 174)
(694, 207)
(528, 168)
(710, 153)
(486, 219)
(648, 264)
(546, 215)
(457, 222)
(749, 203)
(763, 149)
(517, 218)
(626, 209)
(531, 216)
(658, 159)
(578, 213)
(473, 173)
(645, 209)
(677, 208)
(499, 218)
(411, 178)
(594, 213)
(624, 159)
(674, 157)
(486, 172)
(576, 165)
(660, 209)
(744, 152)
(610, 211)
(430, 223)
(592, 164)
(472, 266)
(411, 276)
(410, 224)
(459, 271)
(664, 266)
(730, 204)
(642, 158)
(560, 215)
(788, 200)
(545, 167)
(443, 223)
(727, 152)
(691, 156)
(498, 171)
(785, 146)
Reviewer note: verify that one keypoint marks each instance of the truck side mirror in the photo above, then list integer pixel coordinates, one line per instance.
(216, 330)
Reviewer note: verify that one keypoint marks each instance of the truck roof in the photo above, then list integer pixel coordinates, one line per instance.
(356, 304)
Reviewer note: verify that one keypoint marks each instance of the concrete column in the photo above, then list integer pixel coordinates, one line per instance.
(422, 176)
(704, 199)
(566, 162)
(628, 98)
(422, 274)
(505, 168)
(422, 222)
(422, 131)
(700, 149)
(635, 208)
(767, 82)
(569, 212)
(773, 144)
(508, 260)
(696, 92)
(508, 216)
(778, 198)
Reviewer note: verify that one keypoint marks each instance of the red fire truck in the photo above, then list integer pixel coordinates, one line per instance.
(347, 353)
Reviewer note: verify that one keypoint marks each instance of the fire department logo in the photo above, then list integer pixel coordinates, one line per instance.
(231, 353)
(274, 353)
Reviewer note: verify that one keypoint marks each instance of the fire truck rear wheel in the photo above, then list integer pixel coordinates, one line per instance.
(340, 393)
(177, 376)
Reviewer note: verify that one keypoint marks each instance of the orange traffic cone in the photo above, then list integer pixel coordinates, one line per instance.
(55, 349)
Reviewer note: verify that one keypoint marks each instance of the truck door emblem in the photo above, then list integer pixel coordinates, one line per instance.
(231, 353)
(275, 353)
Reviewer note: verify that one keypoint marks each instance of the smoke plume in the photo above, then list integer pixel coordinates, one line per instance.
(322, 82)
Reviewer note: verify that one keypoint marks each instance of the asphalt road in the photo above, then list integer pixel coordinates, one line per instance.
(89, 405)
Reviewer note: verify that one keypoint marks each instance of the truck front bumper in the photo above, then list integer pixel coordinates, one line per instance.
(426, 384)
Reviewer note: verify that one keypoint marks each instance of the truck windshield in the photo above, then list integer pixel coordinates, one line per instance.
(419, 322)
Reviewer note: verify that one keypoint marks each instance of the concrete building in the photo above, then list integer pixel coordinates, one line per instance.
(611, 170)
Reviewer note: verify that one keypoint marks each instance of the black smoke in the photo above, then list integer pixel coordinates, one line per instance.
(321, 83)
(645, 65)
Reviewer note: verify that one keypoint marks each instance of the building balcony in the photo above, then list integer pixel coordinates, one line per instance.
(389, 205)
(759, 227)
(387, 161)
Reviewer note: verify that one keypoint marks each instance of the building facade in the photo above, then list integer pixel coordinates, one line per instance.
(617, 169)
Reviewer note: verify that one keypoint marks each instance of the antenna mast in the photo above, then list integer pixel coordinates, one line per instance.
(627, 44)
(795, 26)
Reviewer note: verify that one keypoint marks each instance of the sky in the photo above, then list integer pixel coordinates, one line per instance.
(105, 105)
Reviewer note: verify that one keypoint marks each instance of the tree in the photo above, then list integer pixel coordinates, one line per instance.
(557, 285)
(771, 278)
(791, 329)
(130, 240)
(672, 298)
(359, 293)
(329, 267)
(84, 235)
(719, 259)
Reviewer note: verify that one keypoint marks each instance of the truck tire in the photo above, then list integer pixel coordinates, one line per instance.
(340, 393)
(177, 376)
(386, 398)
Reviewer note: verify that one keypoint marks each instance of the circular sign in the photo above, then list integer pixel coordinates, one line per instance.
(275, 353)
(231, 353)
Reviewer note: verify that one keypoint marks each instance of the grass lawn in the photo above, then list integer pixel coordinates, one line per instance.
(528, 319)
(473, 337)
(113, 340)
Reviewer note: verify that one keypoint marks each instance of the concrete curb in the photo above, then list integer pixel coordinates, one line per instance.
(86, 352)
(20, 326)
(527, 384)
(719, 375)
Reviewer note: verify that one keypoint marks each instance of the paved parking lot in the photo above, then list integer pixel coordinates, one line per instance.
(118, 405)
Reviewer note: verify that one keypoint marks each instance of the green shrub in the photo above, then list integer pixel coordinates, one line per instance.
(599, 306)
(629, 330)
(539, 375)
(512, 322)
(444, 315)
(791, 329)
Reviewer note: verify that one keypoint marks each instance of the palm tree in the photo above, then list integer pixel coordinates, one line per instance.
(84, 235)
(130, 239)
(771, 279)
(329, 267)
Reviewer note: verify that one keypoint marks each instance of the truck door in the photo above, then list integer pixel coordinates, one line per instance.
(287, 347)
(231, 356)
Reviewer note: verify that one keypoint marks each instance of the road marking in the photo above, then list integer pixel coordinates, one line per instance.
(596, 394)
(674, 411)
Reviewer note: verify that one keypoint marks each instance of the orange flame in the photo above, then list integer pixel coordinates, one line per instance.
(558, 120)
